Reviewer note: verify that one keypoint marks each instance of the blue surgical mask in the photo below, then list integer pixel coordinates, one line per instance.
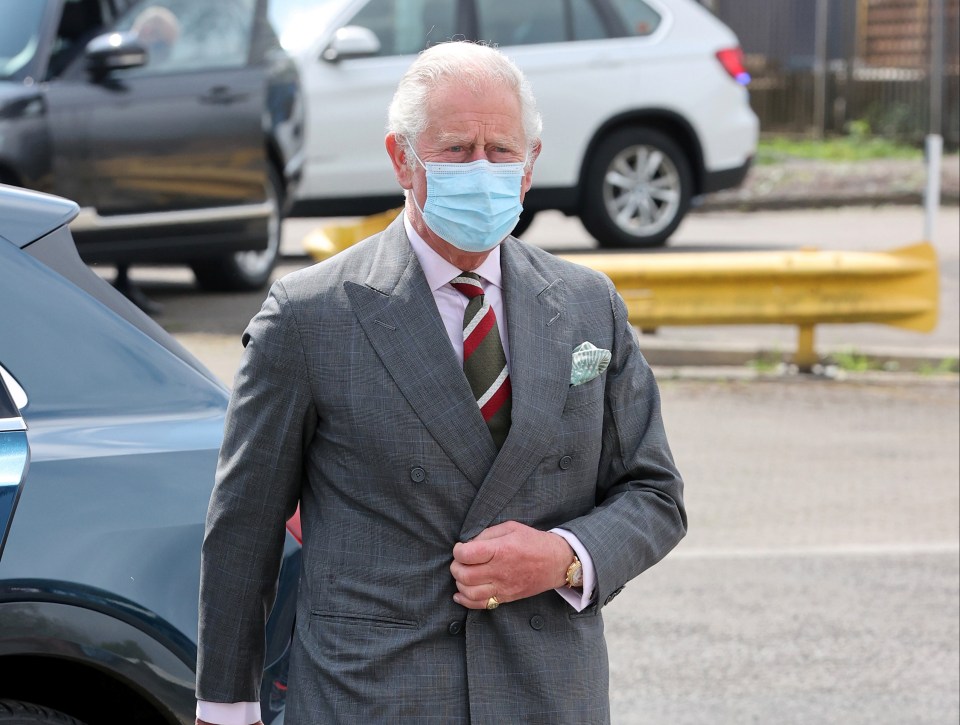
(473, 206)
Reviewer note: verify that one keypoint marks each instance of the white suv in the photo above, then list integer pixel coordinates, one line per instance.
(644, 102)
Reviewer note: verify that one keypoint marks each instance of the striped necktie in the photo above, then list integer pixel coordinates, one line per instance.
(484, 362)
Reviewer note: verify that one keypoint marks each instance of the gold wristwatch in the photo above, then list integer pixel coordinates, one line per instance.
(575, 573)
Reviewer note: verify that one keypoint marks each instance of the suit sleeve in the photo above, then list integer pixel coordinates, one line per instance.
(270, 420)
(640, 515)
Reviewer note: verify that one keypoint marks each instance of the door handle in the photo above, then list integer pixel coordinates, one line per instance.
(222, 96)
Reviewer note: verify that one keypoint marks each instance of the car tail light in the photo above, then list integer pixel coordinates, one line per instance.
(732, 61)
(293, 526)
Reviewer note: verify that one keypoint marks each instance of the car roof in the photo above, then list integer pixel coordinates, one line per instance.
(29, 215)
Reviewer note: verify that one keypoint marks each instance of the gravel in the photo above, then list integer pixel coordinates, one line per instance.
(800, 183)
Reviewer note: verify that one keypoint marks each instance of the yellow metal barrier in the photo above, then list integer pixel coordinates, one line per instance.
(329, 239)
(803, 288)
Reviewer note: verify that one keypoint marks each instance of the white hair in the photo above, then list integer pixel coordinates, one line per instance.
(469, 64)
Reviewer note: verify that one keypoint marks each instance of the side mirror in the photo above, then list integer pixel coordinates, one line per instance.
(114, 51)
(351, 41)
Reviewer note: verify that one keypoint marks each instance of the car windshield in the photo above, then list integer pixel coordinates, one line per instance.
(297, 21)
(19, 34)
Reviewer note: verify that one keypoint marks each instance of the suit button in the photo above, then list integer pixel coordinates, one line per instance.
(455, 627)
(536, 621)
(565, 463)
(417, 474)
(614, 593)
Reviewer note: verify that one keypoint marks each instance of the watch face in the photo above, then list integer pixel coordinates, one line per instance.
(576, 576)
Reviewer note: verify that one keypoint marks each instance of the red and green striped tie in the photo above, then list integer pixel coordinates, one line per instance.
(484, 362)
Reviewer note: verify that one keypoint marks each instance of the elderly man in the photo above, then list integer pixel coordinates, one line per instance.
(472, 434)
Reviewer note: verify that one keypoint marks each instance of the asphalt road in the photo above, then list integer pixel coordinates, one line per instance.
(820, 580)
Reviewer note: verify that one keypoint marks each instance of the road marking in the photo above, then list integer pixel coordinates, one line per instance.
(949, 547)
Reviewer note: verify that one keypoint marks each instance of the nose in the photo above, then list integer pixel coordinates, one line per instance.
(479, 154)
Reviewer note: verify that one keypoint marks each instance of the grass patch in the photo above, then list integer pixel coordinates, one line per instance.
(853, 147)
(766, 362)
(944, 367)
(854, 362)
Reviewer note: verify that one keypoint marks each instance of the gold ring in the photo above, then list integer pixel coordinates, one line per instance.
(493, 602)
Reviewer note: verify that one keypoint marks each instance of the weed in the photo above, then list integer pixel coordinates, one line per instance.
(766, 362)
(943, 367)
(858, 145)
(854, 362)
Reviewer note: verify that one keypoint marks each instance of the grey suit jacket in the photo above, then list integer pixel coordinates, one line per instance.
(350, 400)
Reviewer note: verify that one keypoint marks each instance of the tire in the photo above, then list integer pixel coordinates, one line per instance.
(14, 712)
(637, 189)
(247, 271)
(526, 219)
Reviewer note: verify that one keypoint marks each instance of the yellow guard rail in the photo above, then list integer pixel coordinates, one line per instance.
(803, 288)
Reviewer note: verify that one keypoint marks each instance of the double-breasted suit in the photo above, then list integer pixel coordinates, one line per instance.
(350, 400)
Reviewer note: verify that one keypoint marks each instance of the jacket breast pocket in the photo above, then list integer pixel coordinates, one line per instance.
(589, 392)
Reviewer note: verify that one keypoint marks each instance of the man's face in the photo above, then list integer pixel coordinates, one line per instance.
(463, 126)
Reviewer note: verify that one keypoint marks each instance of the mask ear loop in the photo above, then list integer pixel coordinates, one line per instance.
(410, 190)
(411, 149)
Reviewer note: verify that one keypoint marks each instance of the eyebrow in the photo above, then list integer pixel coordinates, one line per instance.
(450, 139)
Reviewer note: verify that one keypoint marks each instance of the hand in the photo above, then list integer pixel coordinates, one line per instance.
(510, 561)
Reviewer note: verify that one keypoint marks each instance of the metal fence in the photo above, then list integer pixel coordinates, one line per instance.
(824, 67)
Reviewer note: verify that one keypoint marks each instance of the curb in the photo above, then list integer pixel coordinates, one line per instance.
(786, 203)
(755, 359)
(666, 374)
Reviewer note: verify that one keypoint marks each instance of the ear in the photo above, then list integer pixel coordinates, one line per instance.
(397, 150)
(528, 175)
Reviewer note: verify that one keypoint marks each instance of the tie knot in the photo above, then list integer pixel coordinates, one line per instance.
(468, 283)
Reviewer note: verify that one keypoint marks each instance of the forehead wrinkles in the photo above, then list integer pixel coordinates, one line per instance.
(479, 131)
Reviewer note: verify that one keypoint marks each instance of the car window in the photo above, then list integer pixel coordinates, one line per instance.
(80, 21)
(8, 410)
(19, 36)
(638, 17)
(538, 21)
(190, 35)
(521, 23)
(587, 23)
(408, 26)
(13, 398)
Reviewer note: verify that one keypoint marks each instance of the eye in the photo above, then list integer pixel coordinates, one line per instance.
(503, 154)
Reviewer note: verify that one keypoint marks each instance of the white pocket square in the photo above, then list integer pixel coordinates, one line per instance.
(588, 363)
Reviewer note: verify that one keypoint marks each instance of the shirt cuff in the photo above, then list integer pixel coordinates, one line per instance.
(229, 713)
(576, 598)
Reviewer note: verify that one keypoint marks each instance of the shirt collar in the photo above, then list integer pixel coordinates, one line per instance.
(439, 271)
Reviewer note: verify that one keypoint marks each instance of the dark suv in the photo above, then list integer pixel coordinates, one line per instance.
(176, 125)
(109, 432)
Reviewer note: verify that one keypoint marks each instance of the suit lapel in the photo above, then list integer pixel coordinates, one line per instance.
(396, 310)
(540, 361)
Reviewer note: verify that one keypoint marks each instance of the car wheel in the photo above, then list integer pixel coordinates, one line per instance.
(638, 188)
(526, 219)
(247, 271)
(14, 712)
